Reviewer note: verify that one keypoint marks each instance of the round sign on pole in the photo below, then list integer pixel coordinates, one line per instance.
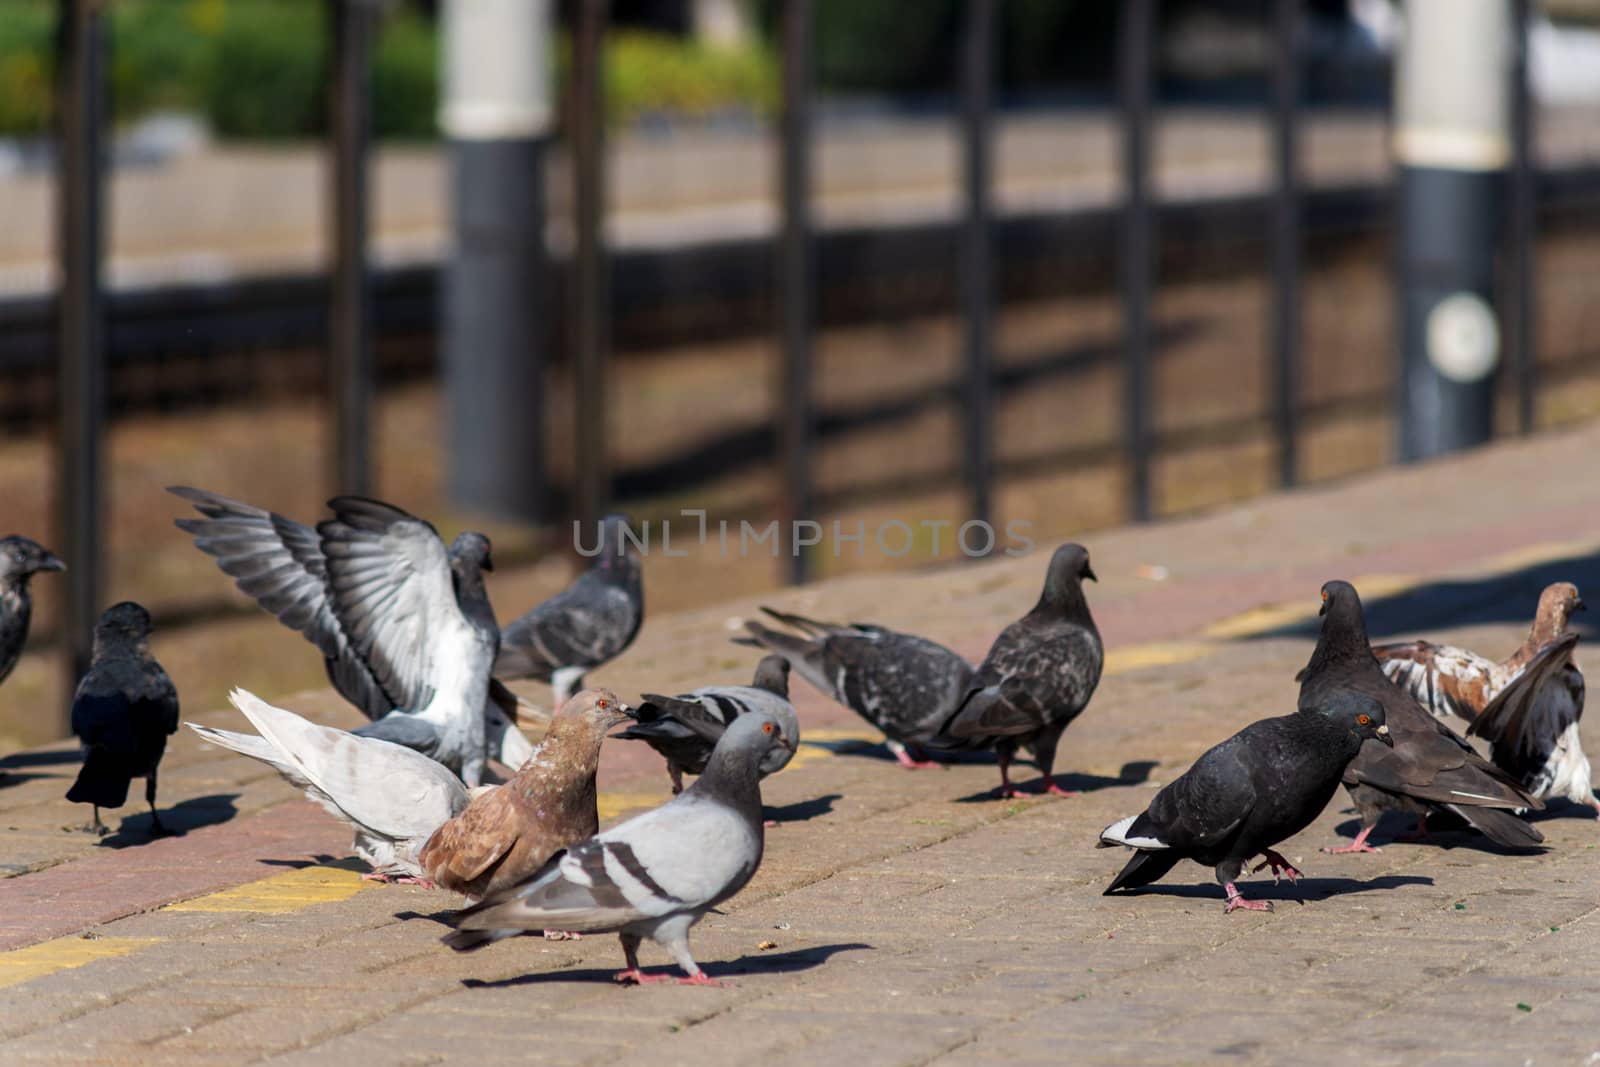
(1463, 338)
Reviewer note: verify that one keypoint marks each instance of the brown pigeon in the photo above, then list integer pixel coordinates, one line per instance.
(1430, 768)
(1537, 692)
(508, 832)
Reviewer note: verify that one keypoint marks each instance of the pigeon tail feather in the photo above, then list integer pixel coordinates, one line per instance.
(1144, 868)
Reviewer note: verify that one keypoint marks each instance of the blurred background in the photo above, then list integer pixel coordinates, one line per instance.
(510, 262)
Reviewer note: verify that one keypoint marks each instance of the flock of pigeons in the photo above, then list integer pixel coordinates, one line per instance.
(407, 635)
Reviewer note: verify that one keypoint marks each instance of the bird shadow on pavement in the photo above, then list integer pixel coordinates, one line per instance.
(178, 819)
(1561, 808)
(1132, 773)
(46, 758)
(800, 959)
(801, 811)
(1304, 891)
(1393, 826)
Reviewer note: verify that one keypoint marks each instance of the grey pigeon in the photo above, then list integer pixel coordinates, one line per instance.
(123, 712)
(589, 623)
(1534, 732)
(685, 728)
(655, 875)
(1038, 676)
(508, 832)
(1429, 768)
(1532, 727)
(404, 626)
(392, 796)
(904, 685)
(1261, 786)
(20, 560)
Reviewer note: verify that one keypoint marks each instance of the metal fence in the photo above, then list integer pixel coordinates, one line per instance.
(81, 328)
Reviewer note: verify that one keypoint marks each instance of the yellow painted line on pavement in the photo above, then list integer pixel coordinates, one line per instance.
(611, 805)
(63, 953)
(1155, 654)
(282, 893)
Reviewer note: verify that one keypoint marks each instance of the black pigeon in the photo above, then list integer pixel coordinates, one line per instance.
(20, 560)
(906, 686)
(1532, 727)
(123, 711)
(1261, 786)
(1038, 676)
(404, 626)
(655, 875)
(684, 729)
(589, 623)
(1429, 768)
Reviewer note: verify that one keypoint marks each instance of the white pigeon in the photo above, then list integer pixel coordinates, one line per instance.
(652, 876)
(393, 796)
(404, 625)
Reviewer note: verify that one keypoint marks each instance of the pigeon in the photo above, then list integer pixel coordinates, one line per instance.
(20, 560)
(508, 832)
(1532, 727)
(589, 623)
(1261, 786)
(392, 796)
(655, 875)
(1536, 740)
(904, 685)
(123, 712)
(685, 728)
(1429, 768)
(404, 626)
(1038, 676)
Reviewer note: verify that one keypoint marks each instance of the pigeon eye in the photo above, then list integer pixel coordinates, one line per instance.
(1364, 720)
(604, 704)
(767, 728)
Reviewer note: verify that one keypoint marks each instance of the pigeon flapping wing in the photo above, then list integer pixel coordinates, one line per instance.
(1513, 720)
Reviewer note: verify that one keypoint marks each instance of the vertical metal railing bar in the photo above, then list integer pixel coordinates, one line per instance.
(1285, 209)
(1135, 45)
(796, 294)
(590, 279)
(81, 332)
(1523, 229)
(977, 254)
(350, 359)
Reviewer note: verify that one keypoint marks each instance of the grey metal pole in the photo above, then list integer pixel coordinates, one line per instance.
(1523, 336)
(496, 115)
(977, 259)
(590, 280)
(1286, 234)
(1452, 148)
(795, 281)
(350, 365)
(1135, 45)
(80, 200)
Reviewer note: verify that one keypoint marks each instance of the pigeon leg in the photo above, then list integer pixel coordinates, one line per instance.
(630, 952)
(676, 941)
(1044, 751)
(98, 828)
(676, 774)
(156, 829)
(1277, 863)
(1003, 755)
(1358, 845)
(1235, 901)
(904, 757)
(1419, 834)
(1594, 802)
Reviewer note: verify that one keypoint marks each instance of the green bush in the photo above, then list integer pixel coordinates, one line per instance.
(27, 30)
(650, 74)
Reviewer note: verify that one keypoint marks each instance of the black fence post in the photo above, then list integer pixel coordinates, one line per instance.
(590, 289)
(795, 282)
(1135, 45)
(350, 363)
(977, 259)
(81, 332)
(1523, 254)
(1285, 208)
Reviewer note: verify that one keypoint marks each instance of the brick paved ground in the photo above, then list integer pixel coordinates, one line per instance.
(899, 918)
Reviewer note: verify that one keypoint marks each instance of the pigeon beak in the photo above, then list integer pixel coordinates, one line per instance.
(1088, 572)
(1578, 605)
(1385, 736)
(488, 564)
(1322, 610)
(52, 562)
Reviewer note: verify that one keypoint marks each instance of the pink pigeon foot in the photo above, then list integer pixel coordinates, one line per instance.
(903, 758)
(1056, 791)
(1358, 845)
(1419, 834)
(769, 823)
(1277, 863)
(702, 978)
(1235, 902)
(635, 976)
